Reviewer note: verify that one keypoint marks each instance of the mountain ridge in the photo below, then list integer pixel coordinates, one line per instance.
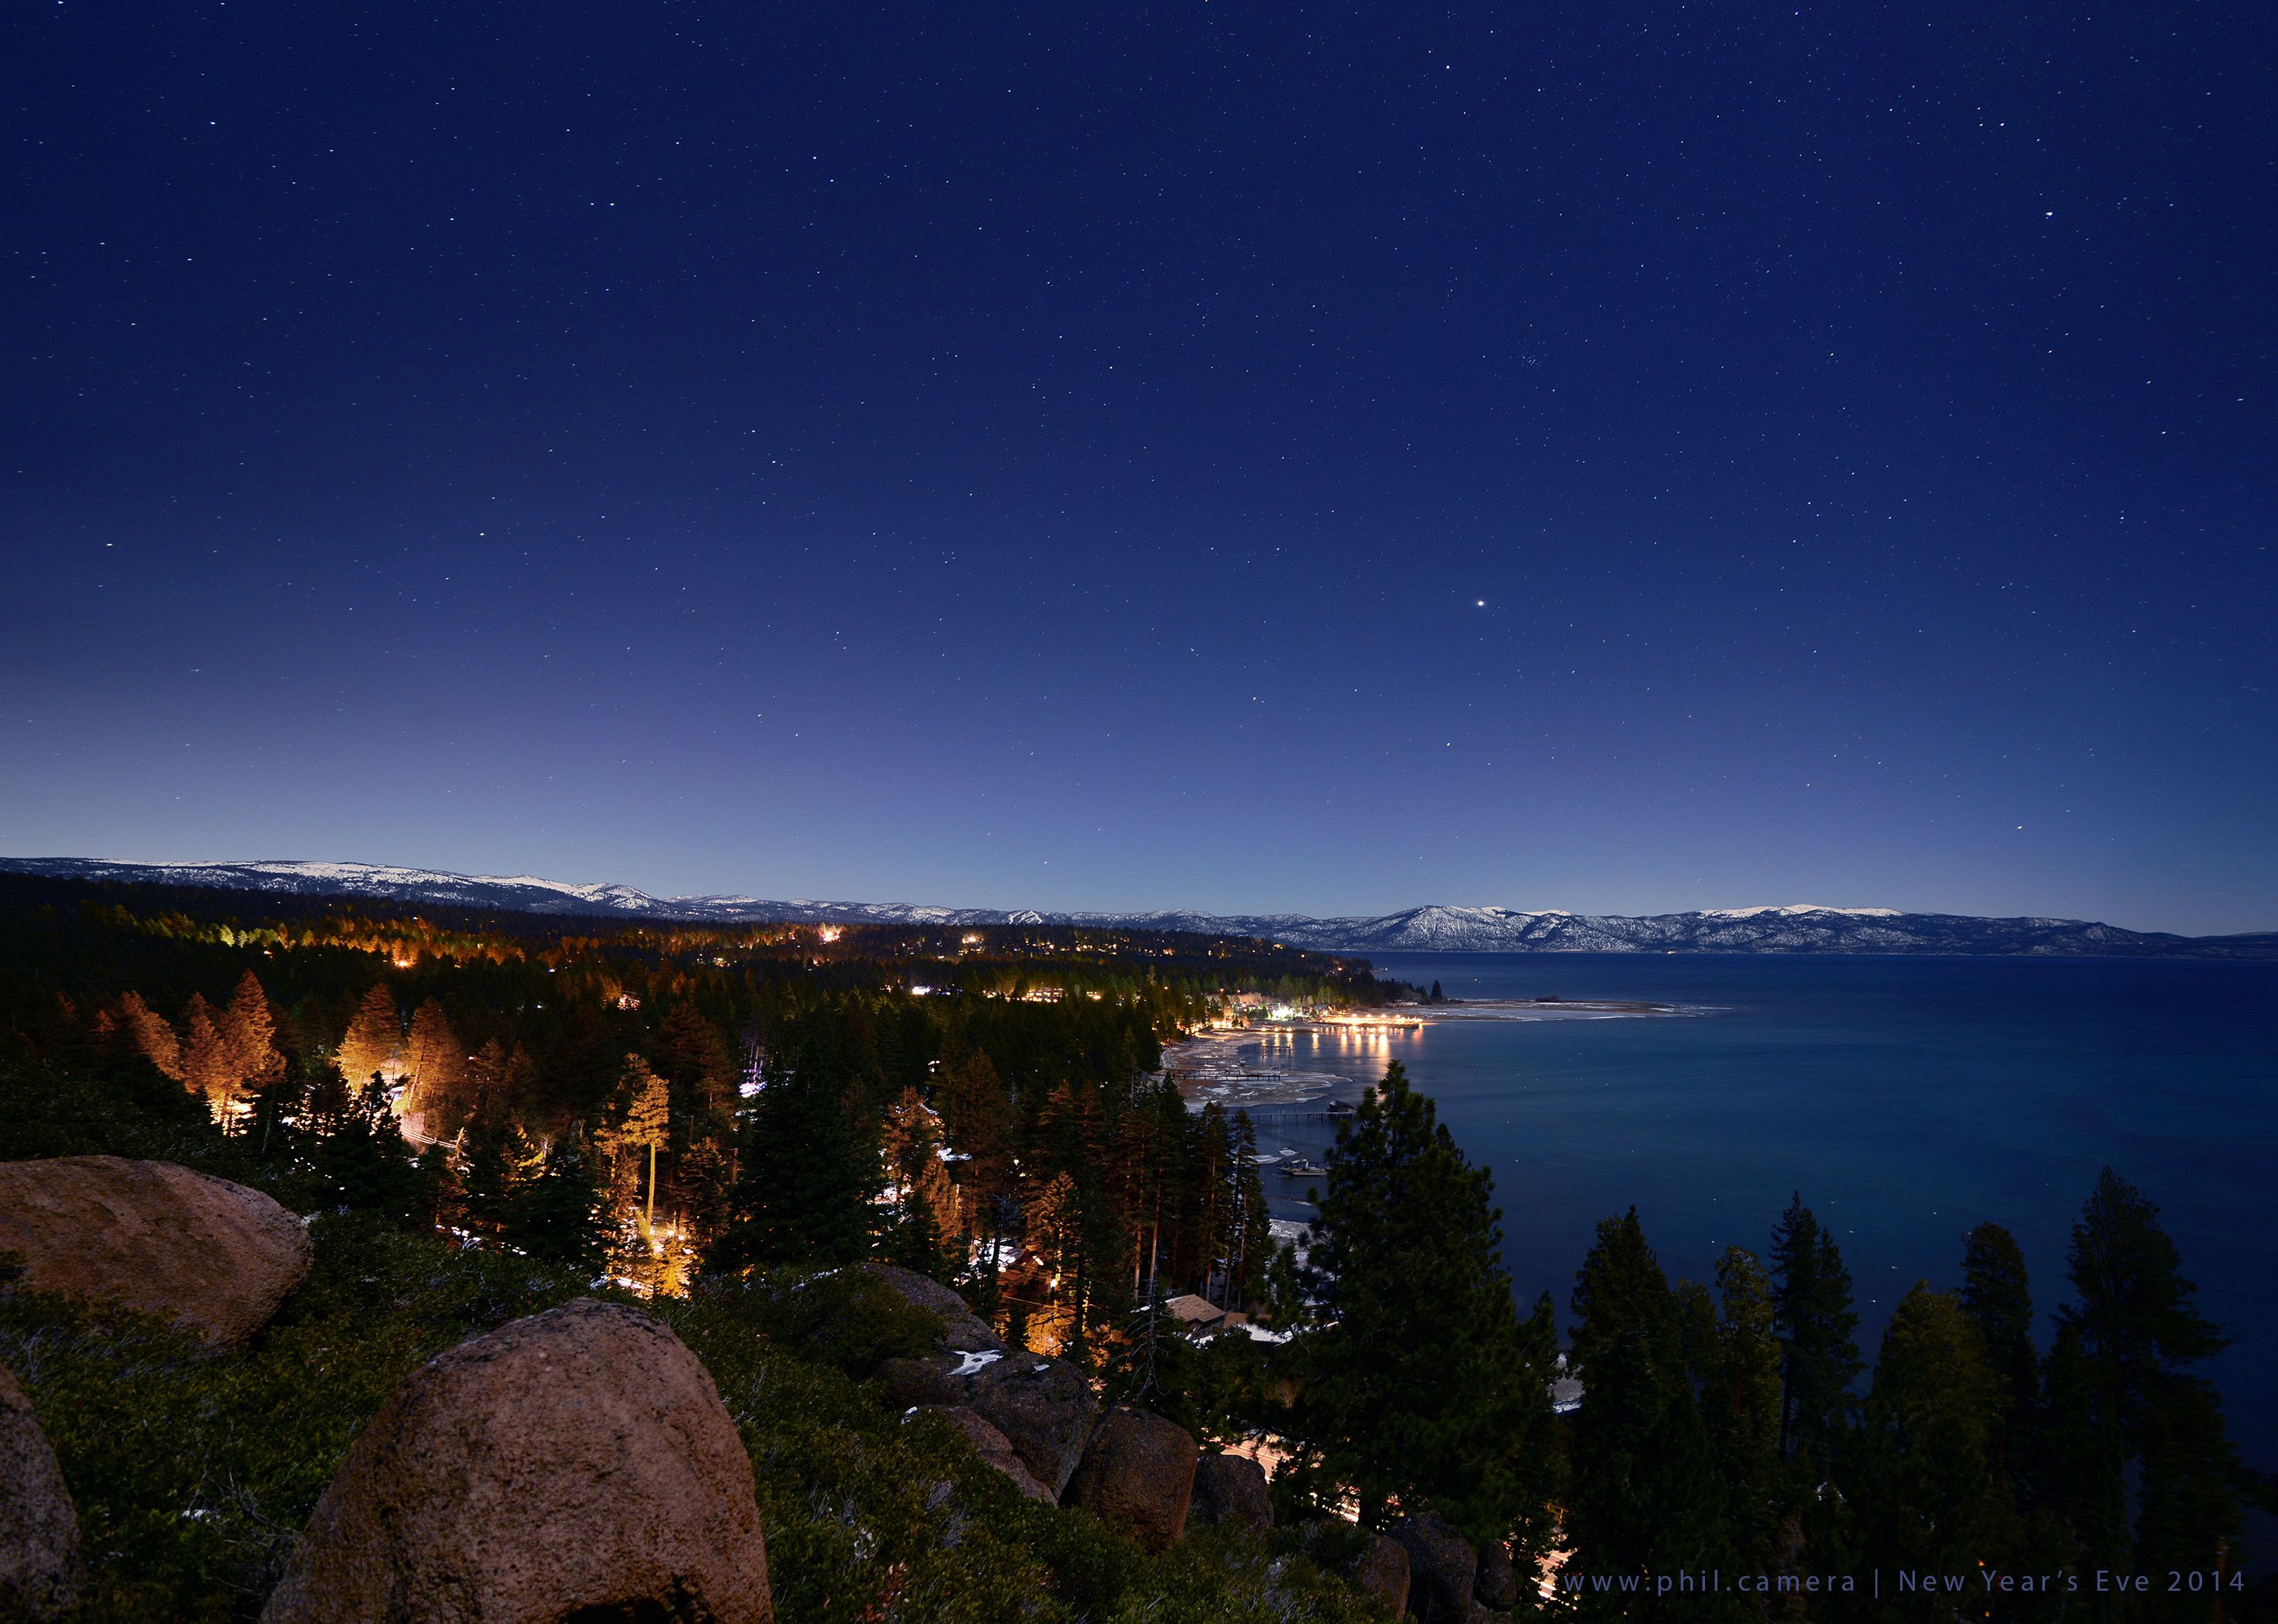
(1795, 927)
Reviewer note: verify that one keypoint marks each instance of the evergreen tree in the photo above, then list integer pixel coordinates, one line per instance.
(556, 1216)
(1998, 1301)
(208, 1068)
(154, 1039)
(374, 1037)
(1812, 1296)
(1740, 1404)
(435, 1068)
(249, 1030)
(1646, 1495)
(804, 1195)
(1921, 1492)
(492, 1175)
(692, 1054)
(364, 1161)
(2123, 1401)
(1424, 1386)
(924, 1200)
(1251, 1232)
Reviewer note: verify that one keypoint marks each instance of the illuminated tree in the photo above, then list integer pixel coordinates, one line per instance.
(250, 1032)
(152, 1035)
(434, 1064)
(208, 1069)
(375, 1036)
(648, 1113)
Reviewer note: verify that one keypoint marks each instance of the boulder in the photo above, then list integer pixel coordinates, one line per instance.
(578, 1464)
(1232, 1489)
(1497, 1584)
(961, 1329)
(1138, 1473)
(1043, 1406)
(1441, 1566)
(153, 1236)
(40, 1572)
(1382, 1571)
(993, 1448)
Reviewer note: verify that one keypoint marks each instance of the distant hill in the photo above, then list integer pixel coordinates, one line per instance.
(1794, 928)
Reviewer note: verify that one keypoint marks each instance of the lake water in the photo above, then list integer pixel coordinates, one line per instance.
(1908, 1099)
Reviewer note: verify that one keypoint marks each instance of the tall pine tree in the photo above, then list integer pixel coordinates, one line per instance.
(1817, 1325)
(1646, 1494)
(808, 1176)
(1423, 1386)
(374, 1037)
(2124, 1404)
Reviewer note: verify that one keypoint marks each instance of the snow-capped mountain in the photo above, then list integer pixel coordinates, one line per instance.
(1796, 927)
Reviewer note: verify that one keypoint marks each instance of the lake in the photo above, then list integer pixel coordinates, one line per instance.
(1908, 1099)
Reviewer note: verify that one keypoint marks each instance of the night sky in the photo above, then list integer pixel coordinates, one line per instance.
(1239, 456)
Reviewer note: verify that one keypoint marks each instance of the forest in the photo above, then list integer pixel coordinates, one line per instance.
(662, 1110)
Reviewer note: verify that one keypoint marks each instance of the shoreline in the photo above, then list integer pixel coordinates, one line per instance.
(1207, 1067)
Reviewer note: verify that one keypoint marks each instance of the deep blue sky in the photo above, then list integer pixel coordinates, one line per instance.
(1231, 456)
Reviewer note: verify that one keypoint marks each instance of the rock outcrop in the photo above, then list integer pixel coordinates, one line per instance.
(1138, 1473)
(993, 1448)
(962, 1329)
(1441, 1566)
(578, 1464)
(1231, 1489)
(153, 1236)
(1382, 1571)
(1497, 1584)
(40, 1573)
(1043, 1406)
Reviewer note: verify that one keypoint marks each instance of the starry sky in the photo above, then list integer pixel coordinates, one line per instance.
(1227, 455)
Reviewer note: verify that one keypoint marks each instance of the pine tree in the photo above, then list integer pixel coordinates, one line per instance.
(249, 1029)
(1424, 1386)
(1646, 1495)
(207, 1066)
(2121, 1396)
(803, 1194)
(1251, 1231)
(435, 1068)
(1817, 1325)
(1998, 1301)
(363, 1161)
(497, 1159)
(557, 1216)
(155, 1040)
(694, 1056)
(642, 1131)
(1740, 1403)
(1920, 1477)
(924, 1199)
(374, 1038)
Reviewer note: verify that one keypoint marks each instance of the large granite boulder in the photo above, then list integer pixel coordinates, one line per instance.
(1231, 1489)
(961, 1329)
(1382, 1571)
(40, 1572)
(578, 1464)
(1138, 1473)
(1441, 1566)
(993, 1448)
(1043, 1406)
(1495, 1585)
(153, 1236)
